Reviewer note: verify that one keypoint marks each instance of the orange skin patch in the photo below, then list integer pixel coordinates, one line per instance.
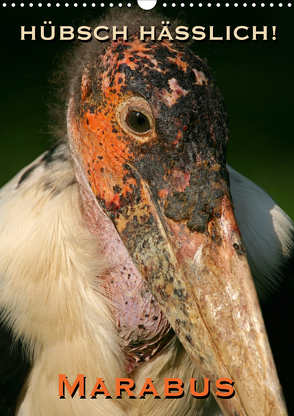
(104, 158)
(103, 146)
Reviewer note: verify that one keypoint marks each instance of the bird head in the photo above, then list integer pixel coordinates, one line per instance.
(148, 129)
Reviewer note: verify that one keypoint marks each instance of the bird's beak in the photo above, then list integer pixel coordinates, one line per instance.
(202, 282)
(175, 217)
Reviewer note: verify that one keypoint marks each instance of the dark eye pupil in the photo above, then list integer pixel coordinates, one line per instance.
(141, 121)
(138, 122)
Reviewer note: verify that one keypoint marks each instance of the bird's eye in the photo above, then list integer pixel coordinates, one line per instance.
(138, 122)
(136, 118)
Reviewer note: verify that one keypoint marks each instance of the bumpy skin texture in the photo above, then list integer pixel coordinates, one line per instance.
(198, 130)
(178, 87)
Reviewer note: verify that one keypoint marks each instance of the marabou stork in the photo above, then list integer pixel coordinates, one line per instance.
(120, 255)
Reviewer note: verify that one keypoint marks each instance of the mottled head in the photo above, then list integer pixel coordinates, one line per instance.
(155, 108)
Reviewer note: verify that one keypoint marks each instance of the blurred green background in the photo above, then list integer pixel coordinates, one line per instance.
(256, 79)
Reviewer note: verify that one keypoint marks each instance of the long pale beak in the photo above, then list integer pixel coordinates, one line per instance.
(178, 225)
(203, 284)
